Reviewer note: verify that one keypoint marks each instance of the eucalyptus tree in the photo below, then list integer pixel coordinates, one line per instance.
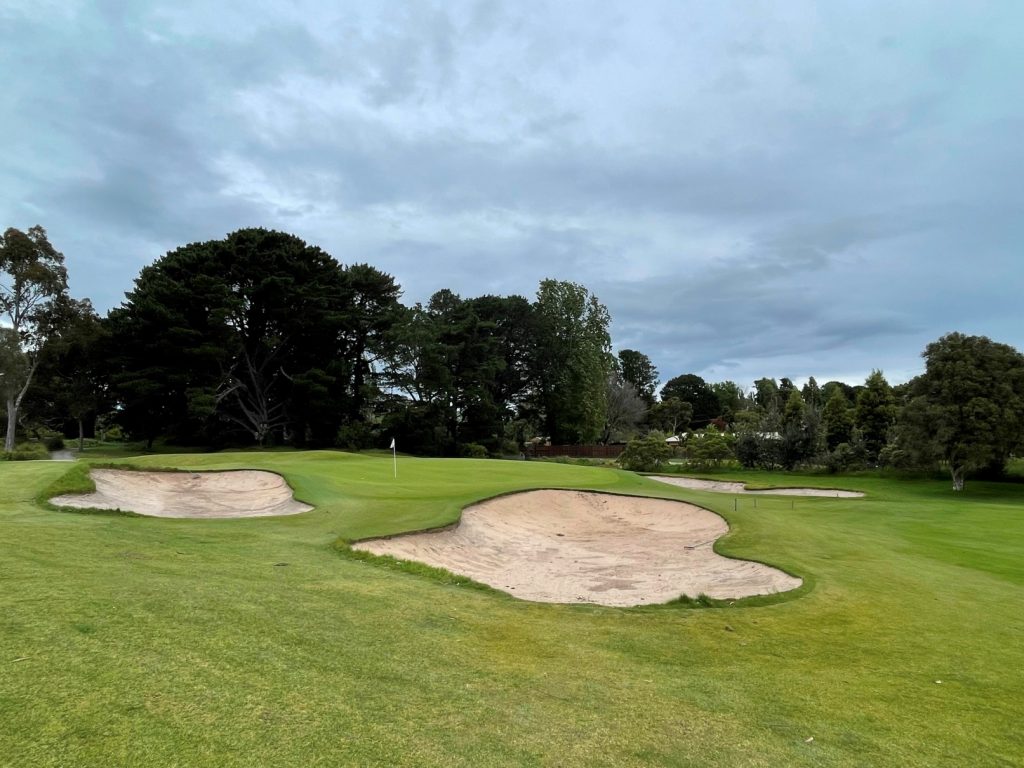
(670, 415)
(625, 409)
(33, 303)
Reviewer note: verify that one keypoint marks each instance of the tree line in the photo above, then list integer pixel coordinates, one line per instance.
(260, 338)
(965, 414)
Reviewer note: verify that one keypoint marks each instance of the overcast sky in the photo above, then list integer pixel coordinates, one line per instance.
(776, 188)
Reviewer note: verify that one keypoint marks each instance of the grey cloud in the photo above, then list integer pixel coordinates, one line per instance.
(740, 188)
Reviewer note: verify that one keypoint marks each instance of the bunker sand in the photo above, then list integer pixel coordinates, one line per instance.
(582, 547)
(723, 486)
(246, 493)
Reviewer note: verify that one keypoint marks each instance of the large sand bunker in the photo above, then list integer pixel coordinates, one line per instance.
(582, 547)
(722, 486)
(246, 493)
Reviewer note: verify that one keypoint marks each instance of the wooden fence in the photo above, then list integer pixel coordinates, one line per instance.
(577, 451)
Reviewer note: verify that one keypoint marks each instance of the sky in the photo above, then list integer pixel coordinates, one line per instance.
(751, 188)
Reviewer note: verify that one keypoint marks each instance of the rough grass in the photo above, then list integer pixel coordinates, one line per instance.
(137, 641)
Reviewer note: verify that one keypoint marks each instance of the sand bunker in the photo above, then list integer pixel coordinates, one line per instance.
(581, 547)
(722, 486)
(247, 493)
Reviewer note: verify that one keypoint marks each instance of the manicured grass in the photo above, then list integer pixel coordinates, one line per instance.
(135, 641)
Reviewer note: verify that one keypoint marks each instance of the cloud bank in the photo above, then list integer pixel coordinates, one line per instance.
(753, 189)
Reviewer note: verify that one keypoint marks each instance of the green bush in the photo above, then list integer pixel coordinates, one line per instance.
(114, 433)
(356, 436)
(509, 448)
(709, 448)
(472, 451)
(645, 454)
(844, 458)
(27, 452)
(54, 443)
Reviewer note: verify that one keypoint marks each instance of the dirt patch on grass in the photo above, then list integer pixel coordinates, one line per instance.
(583, 547)
(723, 486)
(246, 493)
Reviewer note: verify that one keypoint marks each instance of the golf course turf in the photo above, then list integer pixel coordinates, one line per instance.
(249, 642)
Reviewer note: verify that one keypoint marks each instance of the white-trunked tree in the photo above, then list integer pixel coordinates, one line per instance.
(33, 291)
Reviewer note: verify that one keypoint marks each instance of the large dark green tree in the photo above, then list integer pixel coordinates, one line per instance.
(967, 409)
(33, 298)
(786, 387)
(801, 430)
(572, 361)
(875, 414)
(371, 312)
(453, 357)
(731, 399)
(71, 386)
(766, 395)
(461, 367)
(812, 394)
(691, 388)
(258, 334)
(837, 419)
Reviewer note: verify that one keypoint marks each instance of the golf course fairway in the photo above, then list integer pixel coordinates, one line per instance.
(268, 642)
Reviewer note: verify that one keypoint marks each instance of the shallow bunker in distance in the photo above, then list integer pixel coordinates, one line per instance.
(728, 486)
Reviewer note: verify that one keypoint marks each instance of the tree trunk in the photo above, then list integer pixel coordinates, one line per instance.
(958, 477)
(13, 404)
(12, 422)
(81, 435)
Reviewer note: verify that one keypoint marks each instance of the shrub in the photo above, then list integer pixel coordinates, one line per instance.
(748, 450)
(509, 448)
(709, 447)
(472, 451)
(54, 443)
(844, 458)
(356, 436)
(114, 433)
(27, 452)
(645, 454)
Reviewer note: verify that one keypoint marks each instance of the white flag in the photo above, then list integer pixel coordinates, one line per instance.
(392, 443)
